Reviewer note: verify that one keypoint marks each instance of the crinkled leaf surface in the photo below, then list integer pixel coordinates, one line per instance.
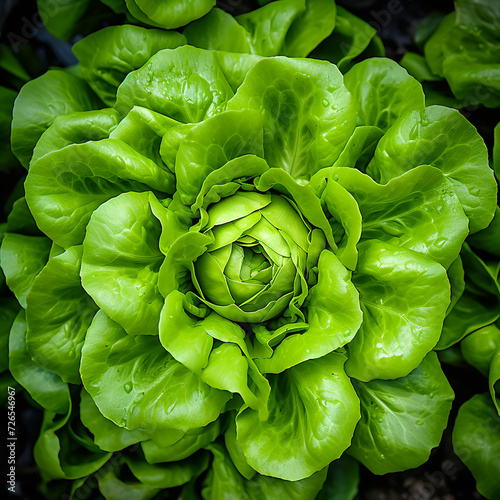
(185, 84)
(107, 56)
(313, 411)
(307, 112)
(404, 297)
(444, 139)
(44, 386)
(137, 384)
(65, 187)
(402, 419)
(75, 128)
(58, 314)
(383, 91)
(418, 210)
(121, 260)
(40, 101)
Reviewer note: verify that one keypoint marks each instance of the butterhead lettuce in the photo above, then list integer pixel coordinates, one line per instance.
(243, 274)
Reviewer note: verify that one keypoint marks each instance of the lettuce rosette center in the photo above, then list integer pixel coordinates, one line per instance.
(257, 260)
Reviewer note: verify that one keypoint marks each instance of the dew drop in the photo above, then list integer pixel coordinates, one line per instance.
(420, 422)
(128, 387)
(325, 103)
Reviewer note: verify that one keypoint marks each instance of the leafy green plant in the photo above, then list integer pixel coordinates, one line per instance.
(243, 268)
(476, 432)
(463, 48)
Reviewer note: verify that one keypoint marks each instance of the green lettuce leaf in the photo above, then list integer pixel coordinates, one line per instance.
(307, 113)
(404, 297)
(476, 441)
(42, 100)
(137, 384)
(402, 419)
(313, 411)
(444, 139)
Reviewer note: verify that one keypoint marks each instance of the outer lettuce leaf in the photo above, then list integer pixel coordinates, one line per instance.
(167, 475)
(465, 50)
(185, 84)
(478, 306)
(494, 378)
(189, 443)
(62, 452)
(418, 210)
(496, 151)
(62, 199)
(268, 26)
(359, 148)
(383, 91)
(121, 260)
(313, 411)
(168, 14)
(307, 113)
(417, 66)
(109, 55)
(404, 297)
(476, 441)
(107, 435)
(224, 481)
(144, 130)
(456, 277)
(58, 314)
(235, 451)
(137, 384)
(114, 487)
(40, 101)
(227, 366)
(75, 128)
(218, 30)
(444, 139)
(236, 66)
(342, 480)
(7, 98)
(310, 28)
(44, 386)
(9, 309)
(402, 419)
(22, 258)
(488, 240)
(351, 37)
(480, 347)
(20, 219)
(261, 31)
(65, 20)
